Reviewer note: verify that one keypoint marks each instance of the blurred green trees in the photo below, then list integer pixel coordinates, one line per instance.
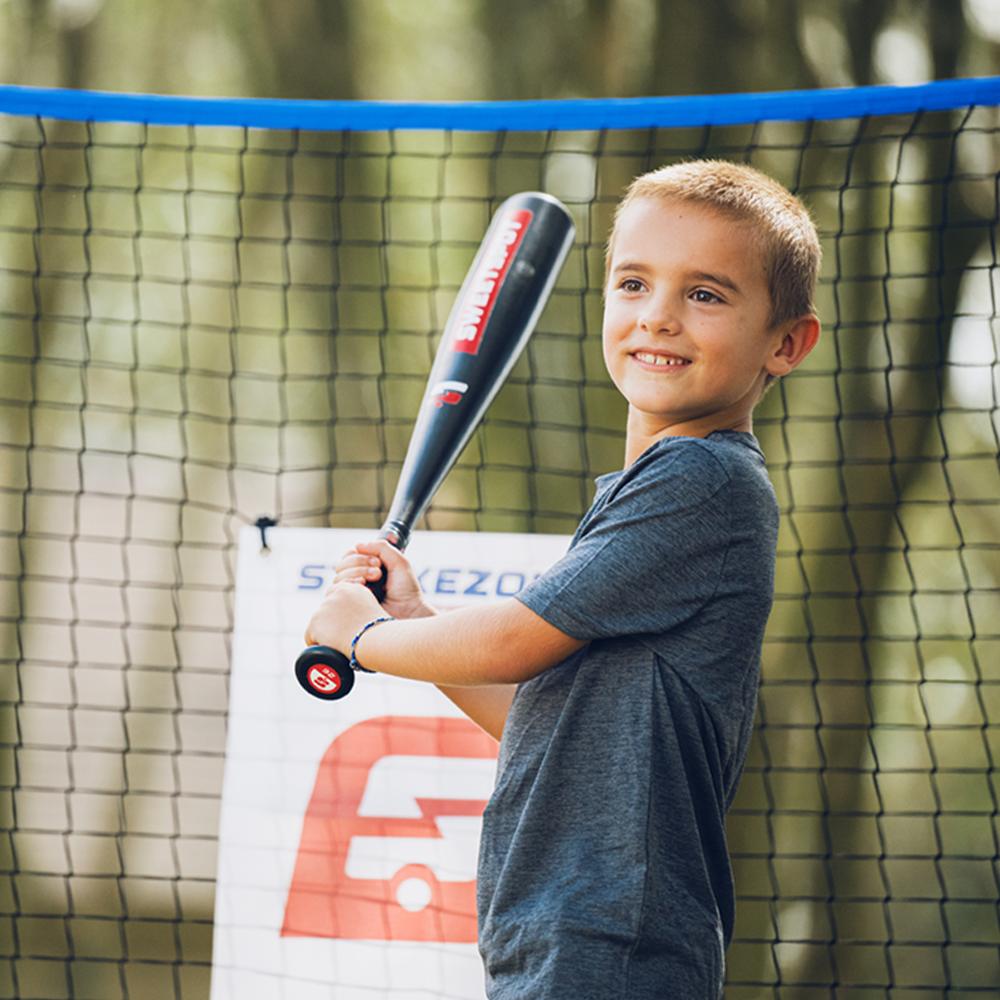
(168, 374)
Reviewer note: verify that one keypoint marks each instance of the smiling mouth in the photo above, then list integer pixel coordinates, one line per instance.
(660, 360)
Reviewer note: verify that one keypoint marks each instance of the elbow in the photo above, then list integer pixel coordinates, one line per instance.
(514, 670)
(504, 666)
(514, 646)
(525, 656)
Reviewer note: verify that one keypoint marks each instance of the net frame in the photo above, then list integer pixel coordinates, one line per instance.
(845, 935)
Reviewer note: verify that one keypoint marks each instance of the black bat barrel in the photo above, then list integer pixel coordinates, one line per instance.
(497, 307)
(494, 314)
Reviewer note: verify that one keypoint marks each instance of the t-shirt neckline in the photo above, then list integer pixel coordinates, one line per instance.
(747, 438)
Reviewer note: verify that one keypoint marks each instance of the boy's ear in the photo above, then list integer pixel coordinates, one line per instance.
(797, 338)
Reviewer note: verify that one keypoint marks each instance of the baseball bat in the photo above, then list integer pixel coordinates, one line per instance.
(495, 312)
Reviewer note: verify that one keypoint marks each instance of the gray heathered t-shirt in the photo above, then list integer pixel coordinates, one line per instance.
(603, 868)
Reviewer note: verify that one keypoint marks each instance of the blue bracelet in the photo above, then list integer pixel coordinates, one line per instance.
(354, 642)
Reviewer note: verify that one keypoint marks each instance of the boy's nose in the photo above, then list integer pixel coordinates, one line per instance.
(659, 319)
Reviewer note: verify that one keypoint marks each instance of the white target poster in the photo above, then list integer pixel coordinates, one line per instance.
(349, 829)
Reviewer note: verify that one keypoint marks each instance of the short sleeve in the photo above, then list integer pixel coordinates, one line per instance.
(649, 556)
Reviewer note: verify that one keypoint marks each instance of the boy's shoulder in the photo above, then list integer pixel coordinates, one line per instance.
(700, 466)
(721, 478)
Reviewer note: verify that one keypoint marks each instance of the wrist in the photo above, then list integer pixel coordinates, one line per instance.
(346, 626)
(352, 653)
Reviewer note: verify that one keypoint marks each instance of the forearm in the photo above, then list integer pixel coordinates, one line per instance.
(487, 705)
(466, 647)
(500, 643)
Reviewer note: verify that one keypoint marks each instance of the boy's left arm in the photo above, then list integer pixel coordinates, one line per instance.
(503, 642)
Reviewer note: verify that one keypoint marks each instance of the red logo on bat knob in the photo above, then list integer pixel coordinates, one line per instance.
(323, 678)
(449, 393)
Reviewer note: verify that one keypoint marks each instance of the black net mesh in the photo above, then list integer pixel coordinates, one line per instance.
(202, 326)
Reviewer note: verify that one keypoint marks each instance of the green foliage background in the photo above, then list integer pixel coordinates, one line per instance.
(160, 389)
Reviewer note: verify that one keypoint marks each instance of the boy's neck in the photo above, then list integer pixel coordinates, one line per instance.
(640, 434)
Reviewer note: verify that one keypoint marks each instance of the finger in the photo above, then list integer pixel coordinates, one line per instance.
(359, 567)
(354, 560)
(382, 549)
(359, 574)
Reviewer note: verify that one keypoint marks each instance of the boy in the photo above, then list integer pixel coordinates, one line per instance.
(622, 683)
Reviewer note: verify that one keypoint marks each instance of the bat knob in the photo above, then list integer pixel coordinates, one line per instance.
(324, 673)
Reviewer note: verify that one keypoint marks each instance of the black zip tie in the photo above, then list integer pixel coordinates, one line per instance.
(262, 524)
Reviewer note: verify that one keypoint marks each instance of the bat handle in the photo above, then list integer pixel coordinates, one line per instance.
(321, 670)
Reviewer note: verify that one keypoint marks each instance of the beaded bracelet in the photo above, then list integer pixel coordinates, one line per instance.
(354, 642)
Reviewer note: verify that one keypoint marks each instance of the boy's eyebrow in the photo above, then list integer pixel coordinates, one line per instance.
(629, 265)
(718, 279)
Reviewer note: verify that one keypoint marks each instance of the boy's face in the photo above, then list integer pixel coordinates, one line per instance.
(686, 335)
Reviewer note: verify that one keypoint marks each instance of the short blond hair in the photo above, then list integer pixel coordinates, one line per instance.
(782, 223)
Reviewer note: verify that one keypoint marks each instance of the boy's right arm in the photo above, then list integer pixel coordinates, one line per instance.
(487, 704)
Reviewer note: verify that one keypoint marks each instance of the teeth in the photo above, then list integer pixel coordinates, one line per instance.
(659, 359)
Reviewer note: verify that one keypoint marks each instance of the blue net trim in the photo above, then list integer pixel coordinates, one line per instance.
(490, 116)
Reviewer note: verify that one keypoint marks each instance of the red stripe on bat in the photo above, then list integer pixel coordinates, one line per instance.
(481, 296)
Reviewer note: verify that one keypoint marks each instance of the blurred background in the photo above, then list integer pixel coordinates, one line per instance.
(168, 374)
(477, 49)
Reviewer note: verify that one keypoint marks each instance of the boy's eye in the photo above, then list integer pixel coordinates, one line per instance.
(631, 285)
(704, 295)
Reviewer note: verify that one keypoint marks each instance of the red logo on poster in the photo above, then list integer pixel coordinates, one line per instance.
(480, 296)
(389, 839)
